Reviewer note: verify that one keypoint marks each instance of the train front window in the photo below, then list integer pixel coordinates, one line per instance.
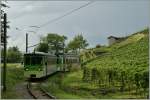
(33, 60)
(27, 60)
(36, 60)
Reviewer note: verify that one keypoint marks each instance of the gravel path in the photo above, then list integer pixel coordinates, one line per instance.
(22, 91)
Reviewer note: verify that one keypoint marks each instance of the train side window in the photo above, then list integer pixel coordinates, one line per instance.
(39, 60)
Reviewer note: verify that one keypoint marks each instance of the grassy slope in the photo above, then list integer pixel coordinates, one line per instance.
(131, 54)
(14, 76)
(72, 87)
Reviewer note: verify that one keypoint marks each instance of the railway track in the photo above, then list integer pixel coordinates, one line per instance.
(37, 92)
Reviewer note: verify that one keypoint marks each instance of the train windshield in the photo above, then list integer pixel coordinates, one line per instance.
(33, 60)
(36, 60)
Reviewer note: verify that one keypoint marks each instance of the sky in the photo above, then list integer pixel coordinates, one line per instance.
(95, 22)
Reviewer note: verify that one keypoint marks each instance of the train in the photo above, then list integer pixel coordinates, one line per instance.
(39, 64)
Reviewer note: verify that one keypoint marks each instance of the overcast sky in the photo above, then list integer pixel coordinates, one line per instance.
(96, 21)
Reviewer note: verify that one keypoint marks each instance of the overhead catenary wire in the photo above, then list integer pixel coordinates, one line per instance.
(33, 45)
(66, 14)
(62, 16)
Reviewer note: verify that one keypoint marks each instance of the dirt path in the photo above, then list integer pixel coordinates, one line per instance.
(21, 89)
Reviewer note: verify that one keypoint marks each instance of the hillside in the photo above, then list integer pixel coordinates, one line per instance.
(96, 52)
(118, 71)
(134, 49)
(126, 63)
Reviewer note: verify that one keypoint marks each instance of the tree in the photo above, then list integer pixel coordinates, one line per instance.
(51, 42)
(78, 43)
(55, 41)
(98, 46)
(73, 45)
(42, 47)
(14, 55)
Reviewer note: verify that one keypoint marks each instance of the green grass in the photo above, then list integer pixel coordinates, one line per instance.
(72, 87)
(67, 88)
(54, 86)
(13, 77)
(12, 65)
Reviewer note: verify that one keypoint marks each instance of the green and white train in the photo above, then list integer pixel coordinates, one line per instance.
(38, 64)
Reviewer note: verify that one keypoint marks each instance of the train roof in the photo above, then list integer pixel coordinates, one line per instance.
(39, 53)
(48, 54)
(71, 54)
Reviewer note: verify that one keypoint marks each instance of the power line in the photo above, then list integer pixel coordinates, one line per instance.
(62, 16)
(66, 14)
(33, 45)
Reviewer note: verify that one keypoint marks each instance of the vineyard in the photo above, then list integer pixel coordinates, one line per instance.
(125, 68)
(118, 71)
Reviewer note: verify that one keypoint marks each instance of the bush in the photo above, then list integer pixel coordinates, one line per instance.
(98, 46)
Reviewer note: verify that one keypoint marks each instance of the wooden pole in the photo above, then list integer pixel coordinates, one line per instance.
(26, 42)
(5, 52)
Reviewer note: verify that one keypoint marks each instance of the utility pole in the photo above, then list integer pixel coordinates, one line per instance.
(5, 53)
(64, 65)
(26, 42)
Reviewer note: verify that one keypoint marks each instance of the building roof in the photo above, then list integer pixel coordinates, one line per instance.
(117, 38)
(112, 37)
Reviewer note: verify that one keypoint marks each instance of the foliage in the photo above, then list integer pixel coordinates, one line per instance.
(14, 76)
(13, 55)
(55, 41)
(42, 47)
(51, 42)
(78, 43)
(74, 88)
(98, 46)
(87, 55)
